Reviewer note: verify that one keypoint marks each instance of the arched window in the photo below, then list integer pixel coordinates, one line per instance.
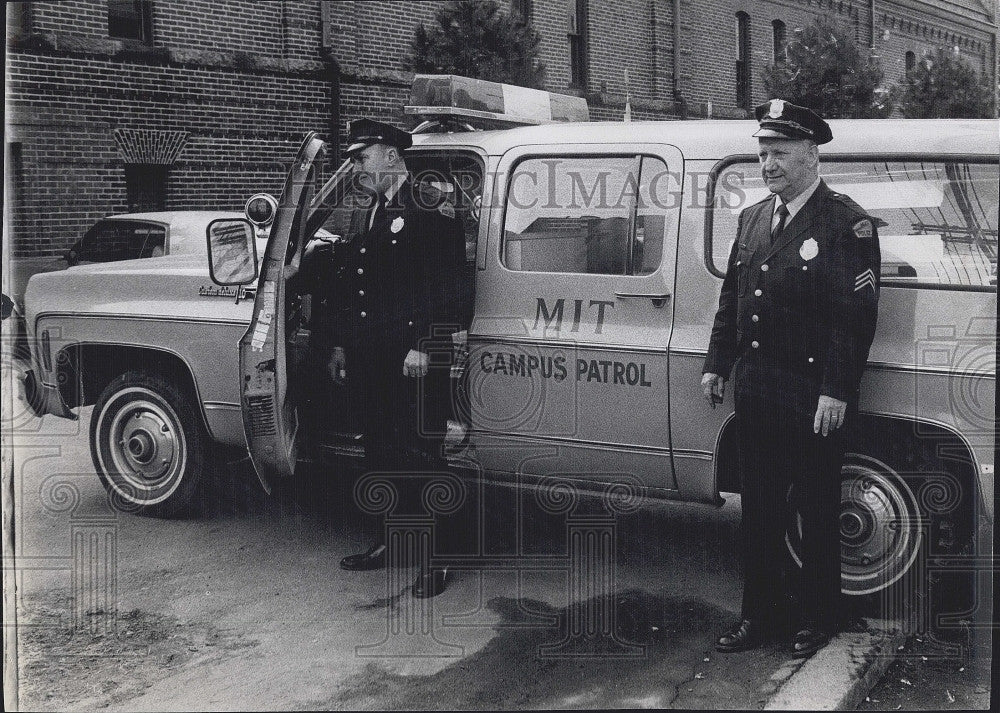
(743, 60)
(778, 41)
(911, 63)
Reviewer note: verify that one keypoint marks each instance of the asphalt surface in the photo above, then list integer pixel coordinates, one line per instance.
(243, 606)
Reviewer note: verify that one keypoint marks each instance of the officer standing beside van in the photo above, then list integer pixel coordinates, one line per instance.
(796, 318)
(391, 298)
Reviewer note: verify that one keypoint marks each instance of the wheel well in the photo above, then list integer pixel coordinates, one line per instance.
(84, 370)
(916, 439)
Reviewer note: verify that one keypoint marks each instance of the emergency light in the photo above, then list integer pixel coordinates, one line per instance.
(449, 96)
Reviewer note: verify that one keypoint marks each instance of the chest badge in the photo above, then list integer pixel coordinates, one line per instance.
(809, 249)
(396, 225)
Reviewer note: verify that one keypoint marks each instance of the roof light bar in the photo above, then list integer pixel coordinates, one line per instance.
(437, 96)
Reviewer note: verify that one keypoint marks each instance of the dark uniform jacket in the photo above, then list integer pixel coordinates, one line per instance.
(798, 315)
(401, 275)
(395, 282)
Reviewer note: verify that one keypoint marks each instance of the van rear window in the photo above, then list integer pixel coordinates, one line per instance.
(596, 215)
(940, 216)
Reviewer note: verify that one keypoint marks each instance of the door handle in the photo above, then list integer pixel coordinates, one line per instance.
(658, 299)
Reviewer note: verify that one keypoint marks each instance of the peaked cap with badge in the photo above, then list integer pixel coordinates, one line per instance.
(782, 120)
(362, 133)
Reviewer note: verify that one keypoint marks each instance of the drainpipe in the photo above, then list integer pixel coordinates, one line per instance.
(333, 142)
(679, 100)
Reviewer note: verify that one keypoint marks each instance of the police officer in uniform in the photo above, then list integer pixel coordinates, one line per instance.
(391, 299)
(796, 318)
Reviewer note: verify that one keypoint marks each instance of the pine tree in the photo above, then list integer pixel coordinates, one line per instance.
(475, 38)
(825, 71)
(942, 85)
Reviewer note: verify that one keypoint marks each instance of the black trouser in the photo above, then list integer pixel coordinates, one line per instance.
(778, 449)
(404, 421)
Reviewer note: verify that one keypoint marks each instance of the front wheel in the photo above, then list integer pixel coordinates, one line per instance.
(148, 444)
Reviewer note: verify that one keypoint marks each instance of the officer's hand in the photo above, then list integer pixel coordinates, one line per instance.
(415, 363)
(336, 365)
(320, 244)
(713, 386)
(829, 415)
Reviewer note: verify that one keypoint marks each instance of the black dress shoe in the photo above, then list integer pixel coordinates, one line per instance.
(429, 584)
(743, 636)
(808, 641)
(373, 558)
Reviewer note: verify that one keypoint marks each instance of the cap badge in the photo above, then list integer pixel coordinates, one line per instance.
(809, 249)
(396, 225)
(777, 108)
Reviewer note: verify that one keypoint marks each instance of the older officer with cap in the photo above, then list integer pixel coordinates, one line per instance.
(795, 321)
(404, 251)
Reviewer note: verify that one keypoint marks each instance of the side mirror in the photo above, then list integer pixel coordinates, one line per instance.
(232, 251)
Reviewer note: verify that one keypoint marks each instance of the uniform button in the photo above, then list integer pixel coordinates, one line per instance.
(805, 267)
(811, 360)
(409, 324)
(393, 242)
(755, 318)
(361, 292)
(754, 344)
(738, 263)
(763, 268)
(364, 314)
(757, 293)
(361, 271)
(362, 251)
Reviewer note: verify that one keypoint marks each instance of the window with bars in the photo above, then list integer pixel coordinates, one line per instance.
(521, 11)
(778, 41)
(146, 187)
(130, 20)
(743, 60)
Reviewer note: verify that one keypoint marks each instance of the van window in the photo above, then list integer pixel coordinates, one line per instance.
(458, 175)
(940, 217)
(596, 214)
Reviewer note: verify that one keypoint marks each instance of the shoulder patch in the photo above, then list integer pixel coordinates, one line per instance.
(863, 228)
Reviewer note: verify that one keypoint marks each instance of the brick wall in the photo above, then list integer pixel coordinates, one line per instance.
(243, 129)
(246, 80)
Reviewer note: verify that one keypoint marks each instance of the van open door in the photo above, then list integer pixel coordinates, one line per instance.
(270, 421)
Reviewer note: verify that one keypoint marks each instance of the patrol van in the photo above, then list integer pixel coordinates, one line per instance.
(597, 252)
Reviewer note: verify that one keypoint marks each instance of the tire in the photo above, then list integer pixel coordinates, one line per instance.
(899, 506)
(149, 445)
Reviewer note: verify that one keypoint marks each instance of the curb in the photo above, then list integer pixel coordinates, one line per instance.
(841, 674)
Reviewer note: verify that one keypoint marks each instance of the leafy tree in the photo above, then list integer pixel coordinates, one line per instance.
(475, 38)
(942, 85)
(824, 70)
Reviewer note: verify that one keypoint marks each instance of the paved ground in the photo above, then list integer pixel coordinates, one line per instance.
(244, 606)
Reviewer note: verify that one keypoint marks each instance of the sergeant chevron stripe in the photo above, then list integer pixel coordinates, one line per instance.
(865, 279)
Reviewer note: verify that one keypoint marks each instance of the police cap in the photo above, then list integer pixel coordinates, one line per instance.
(782, 120)
(366, 132)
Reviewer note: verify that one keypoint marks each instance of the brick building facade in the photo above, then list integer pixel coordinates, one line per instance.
(114, 105)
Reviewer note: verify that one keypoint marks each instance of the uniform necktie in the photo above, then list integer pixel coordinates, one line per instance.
(379, 203)
(777, 227)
